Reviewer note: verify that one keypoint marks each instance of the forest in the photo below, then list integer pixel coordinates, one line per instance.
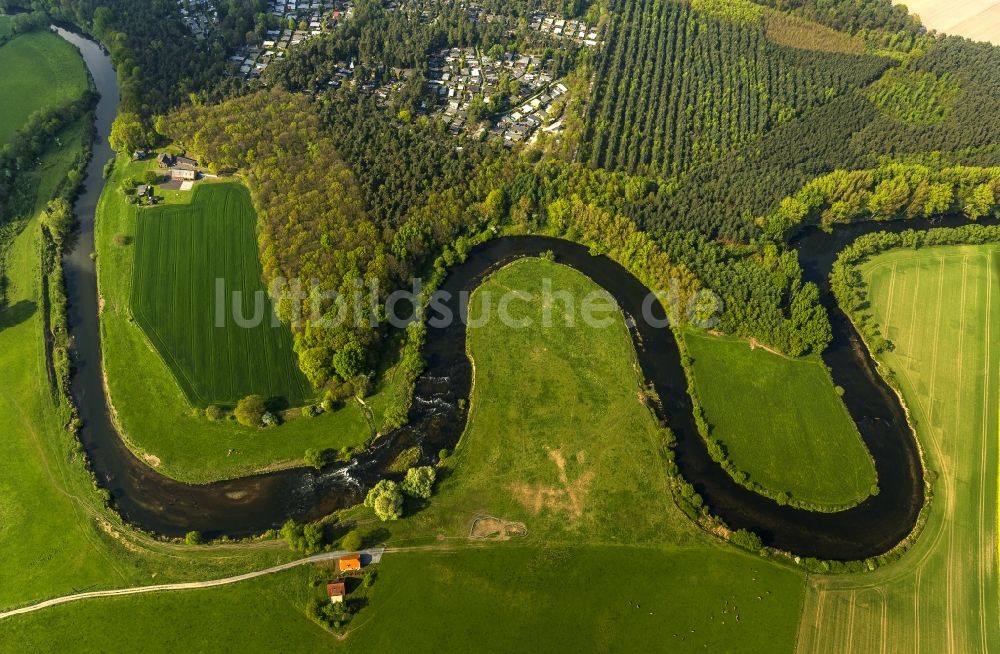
(890, 191)
(312, 225)
(679, 86)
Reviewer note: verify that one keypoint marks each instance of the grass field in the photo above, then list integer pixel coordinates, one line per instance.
(39, 70)
(940, 307)
(608, 563)
(494, 599)
(156, 417)
(181, 251)
(781, 421)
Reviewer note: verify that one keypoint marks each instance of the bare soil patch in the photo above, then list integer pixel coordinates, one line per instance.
(489, 528)
(570, 497)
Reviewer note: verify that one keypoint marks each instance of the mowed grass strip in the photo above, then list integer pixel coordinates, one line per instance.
(37, 70)
(940, 307)
(180, 252)
(781, 421)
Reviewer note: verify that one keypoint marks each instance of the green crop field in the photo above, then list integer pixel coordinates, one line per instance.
(181, 251)
(39, 70)
(781, 421)
(608, 562)
(940, 307)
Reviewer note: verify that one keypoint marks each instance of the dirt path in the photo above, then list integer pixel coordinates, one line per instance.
(375, 554)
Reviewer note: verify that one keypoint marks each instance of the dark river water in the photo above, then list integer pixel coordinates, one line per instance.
(254, 504)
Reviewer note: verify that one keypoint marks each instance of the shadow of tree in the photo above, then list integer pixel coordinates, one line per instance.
(15, 314)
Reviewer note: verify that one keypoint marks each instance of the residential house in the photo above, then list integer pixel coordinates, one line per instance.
(349, 563)
(336, 590)
(164, 160)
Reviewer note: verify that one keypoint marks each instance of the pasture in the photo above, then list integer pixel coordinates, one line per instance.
(557, 439)
(489, 599)
(940, 308)
(781, 421)
(40, 70)
(181, 254)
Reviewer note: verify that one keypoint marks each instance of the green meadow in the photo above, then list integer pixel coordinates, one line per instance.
(781, 421)
(940, 307)
(490, 599)
(608, 562)
(183, 252)
(37, 70)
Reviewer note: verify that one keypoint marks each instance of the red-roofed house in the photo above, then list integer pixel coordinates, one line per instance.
(349, 563)
(336, 590)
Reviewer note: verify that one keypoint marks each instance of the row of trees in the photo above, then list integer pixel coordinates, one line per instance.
(893, 190)
(677, 87)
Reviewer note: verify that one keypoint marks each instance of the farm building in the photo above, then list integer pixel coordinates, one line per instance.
(336, 590)
(183, 173)
(349, 563)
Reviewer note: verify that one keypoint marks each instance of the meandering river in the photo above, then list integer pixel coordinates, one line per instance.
(254, 504)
